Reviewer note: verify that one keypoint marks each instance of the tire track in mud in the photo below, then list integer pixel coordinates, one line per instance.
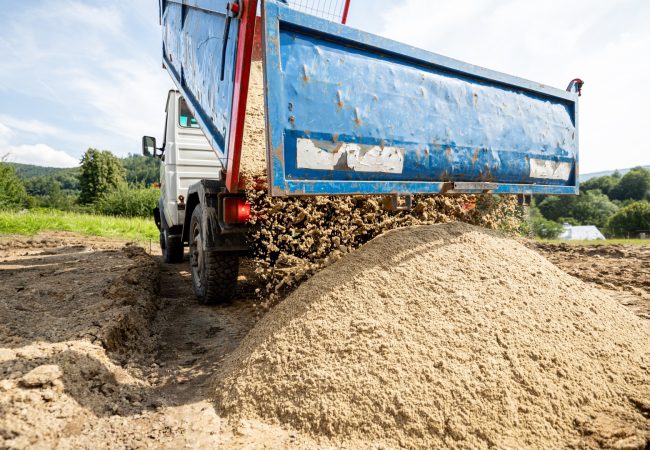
(95, 352)
(192, 338)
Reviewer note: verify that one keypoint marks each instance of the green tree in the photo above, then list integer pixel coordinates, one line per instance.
(38, 186)
(12, 191)
(101, 172)
(568, 220)
(632, 218)
(141, 169)
(56, 198)
(634, 185)
(604, 184)
(129, 201)
(69, 180)
(553, 207)
(588, 208)
(544, 228)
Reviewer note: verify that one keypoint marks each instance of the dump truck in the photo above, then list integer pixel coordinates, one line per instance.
(347, 113)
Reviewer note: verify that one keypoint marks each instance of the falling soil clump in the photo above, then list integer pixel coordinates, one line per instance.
(294, 237)
(446, 336)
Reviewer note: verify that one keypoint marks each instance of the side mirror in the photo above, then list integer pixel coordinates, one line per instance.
(148, 146)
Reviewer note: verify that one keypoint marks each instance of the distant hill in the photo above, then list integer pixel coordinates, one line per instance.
(26, 171)
(139, 169)
(586, 176)
(134, 165)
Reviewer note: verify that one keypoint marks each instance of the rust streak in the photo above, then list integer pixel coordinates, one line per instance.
(340, 103)
(475, 156)
(279, 154)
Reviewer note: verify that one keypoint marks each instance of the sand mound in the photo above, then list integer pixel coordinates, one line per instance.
(293, 238)
(446, 336)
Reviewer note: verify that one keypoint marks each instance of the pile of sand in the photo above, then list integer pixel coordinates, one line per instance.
(446, 336)
(295, 237)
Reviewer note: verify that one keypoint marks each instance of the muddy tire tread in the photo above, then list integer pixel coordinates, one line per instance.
(219, 283)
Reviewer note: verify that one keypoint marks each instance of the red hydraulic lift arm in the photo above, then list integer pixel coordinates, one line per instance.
(346, 8)
(246, 42)
(248, 8)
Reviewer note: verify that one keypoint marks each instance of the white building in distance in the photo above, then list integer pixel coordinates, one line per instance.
(580, 233)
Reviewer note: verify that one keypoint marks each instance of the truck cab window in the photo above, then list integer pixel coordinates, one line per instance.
(186, 118)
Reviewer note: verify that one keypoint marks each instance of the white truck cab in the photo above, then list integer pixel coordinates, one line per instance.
(194, 207)
(186, 159)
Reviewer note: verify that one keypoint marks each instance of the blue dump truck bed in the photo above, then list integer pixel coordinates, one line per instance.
(348, 112)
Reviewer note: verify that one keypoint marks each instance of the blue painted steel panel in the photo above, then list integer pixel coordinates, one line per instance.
(352, 113)
(193, 38)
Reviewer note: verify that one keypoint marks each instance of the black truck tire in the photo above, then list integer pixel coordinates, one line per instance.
(214, 273)
(172, 247)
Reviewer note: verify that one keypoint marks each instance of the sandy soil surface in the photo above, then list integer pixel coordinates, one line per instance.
(102, 346)
(622, 270)
(98, 349)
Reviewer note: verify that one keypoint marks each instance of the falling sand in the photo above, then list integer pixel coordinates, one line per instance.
(294, 237)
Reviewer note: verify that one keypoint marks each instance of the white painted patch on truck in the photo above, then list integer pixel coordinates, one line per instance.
(549, 170)
(326, 155)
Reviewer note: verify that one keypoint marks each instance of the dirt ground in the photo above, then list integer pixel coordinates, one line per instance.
(103, 346)
(622, 270)
(98, 349)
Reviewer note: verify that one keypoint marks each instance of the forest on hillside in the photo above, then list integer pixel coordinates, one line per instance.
(103, 183)
(617, 204)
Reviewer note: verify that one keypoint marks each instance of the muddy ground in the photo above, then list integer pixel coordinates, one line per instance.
(622, 270)
(103, 346)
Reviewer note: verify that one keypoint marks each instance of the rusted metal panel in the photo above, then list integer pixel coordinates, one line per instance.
(332, 90)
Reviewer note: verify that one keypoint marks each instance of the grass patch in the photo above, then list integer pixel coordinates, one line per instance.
(30, 222)
(597, 242)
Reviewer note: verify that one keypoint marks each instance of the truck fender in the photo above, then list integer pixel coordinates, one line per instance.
(206, 195)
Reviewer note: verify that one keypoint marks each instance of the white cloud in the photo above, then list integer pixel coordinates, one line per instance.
(35, 127)
(130, 102)
(5, 132)
(103, 85)
(104, 17)
(38, 154)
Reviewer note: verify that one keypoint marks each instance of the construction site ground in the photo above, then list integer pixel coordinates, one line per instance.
(102, 345)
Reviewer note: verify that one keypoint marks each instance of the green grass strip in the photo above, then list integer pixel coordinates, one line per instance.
(31, 222)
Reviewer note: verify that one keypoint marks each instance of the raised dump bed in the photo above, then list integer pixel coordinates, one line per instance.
(349, 112)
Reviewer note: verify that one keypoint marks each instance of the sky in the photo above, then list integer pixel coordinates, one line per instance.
(87, 73)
